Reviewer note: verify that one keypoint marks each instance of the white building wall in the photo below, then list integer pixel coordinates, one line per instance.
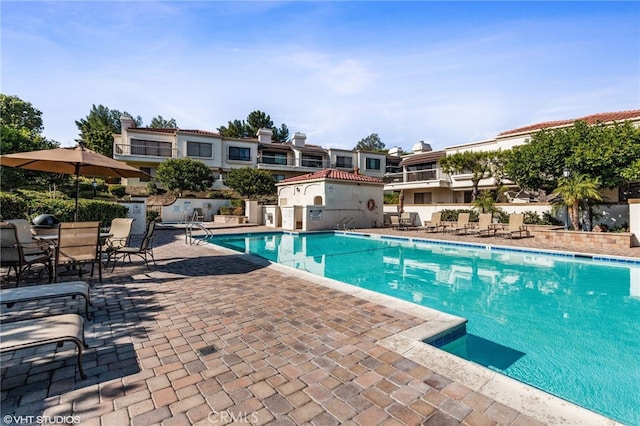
(215, 161)
(182, 209)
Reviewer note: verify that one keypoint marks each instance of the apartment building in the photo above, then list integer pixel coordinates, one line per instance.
(146, 148)
(416, 173)
(422, 182)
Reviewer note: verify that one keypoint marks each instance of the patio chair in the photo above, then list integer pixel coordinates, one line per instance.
(13, 256)
(120, 231)
(435, 224)
(396, 223)
(485, 227)
(145, 248)
(461, 225)
(44, 331)
(11, 296)
(25, 238)
(78, 244)
(515, 229)
(406, 220)
(197, 215)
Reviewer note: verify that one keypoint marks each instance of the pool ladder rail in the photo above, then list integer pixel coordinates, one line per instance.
(346, 223)
(188, 233)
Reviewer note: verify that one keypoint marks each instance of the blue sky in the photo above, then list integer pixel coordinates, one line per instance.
(443, 72)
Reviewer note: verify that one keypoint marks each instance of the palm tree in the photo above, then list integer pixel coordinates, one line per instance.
(574, 190)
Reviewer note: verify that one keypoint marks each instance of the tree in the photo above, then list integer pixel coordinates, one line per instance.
(478, 163)
(251, 183)
(537, 165)
(574, 190)
(20, 131)
(605, 152)
(256, 120)
(184, 174)
(370, 143)
(98, 128)
(160, 123)
(632, 172)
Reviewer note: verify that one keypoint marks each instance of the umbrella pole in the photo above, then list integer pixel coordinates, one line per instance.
(75, 216)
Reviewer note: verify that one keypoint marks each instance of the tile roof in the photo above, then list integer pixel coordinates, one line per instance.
(604, 117)
(334, 175)
(170, 130)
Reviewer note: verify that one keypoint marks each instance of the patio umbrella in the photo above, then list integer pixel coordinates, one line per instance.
(71, 161)
(401, 203)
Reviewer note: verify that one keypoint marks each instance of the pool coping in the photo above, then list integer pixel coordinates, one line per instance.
(520, 396)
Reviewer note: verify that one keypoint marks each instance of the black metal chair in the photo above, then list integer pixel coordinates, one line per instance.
(145, 248)
(14, 256)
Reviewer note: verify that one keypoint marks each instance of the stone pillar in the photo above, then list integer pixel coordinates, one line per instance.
(634, 219)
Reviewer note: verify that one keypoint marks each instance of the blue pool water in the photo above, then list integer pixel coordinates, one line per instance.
(568, 326)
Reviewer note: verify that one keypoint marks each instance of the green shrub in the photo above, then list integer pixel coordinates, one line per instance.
(226, 210)
(118, 191)
(501, 216)
(152, 215)
(13, 206)
(452, 215)
(533, 218)
(152, 188)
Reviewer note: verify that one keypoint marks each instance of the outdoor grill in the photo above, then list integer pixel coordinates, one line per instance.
(45, 224)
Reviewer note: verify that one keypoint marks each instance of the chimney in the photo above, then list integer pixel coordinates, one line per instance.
(395, 151)
(264, 135)
(421, 147)
(126, 122)
(298, 139)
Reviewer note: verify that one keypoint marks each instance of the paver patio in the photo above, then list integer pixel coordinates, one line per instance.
(206, 337)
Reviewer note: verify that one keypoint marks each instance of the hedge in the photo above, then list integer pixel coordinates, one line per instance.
(13, 206)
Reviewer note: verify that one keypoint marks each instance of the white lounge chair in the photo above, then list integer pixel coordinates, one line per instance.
(10, 296)
(44, 331)
(515, 229)
(435, 224)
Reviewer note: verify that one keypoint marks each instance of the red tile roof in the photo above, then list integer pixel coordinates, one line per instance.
(334, 175)
(604, 117)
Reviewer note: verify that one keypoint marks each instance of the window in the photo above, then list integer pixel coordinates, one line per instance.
(373, 164)
(312, 160)
(274, 158)
(147, 170)
(422, 198)
(240, 154)
(152, 148)
(344, 162)
(199, 149)
(317, 200)
(278, 178)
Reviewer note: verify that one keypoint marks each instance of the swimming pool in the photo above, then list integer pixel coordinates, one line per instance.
(569, 326)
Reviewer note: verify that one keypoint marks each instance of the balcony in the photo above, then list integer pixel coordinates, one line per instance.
(125, 151)
(415, 176)
(280, 163)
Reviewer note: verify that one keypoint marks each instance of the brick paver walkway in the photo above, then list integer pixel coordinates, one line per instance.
(211, 338)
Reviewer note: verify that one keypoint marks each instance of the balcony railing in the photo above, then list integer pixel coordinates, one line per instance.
(415, 176)
(292, 162)
(275, 160)
(145, 151)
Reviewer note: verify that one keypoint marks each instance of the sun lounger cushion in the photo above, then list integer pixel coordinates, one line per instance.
(43, 331)
(47, 291)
